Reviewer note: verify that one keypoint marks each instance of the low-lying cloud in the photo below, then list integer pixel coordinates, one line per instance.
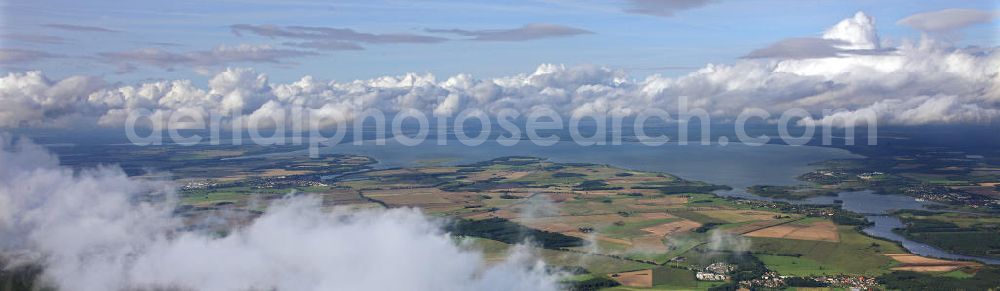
(722, 241)
(853, 71)
(97, 229)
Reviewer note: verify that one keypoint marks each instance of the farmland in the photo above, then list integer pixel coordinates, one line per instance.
(641, 230)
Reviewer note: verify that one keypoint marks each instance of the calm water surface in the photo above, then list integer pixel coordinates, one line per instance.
(735, 165)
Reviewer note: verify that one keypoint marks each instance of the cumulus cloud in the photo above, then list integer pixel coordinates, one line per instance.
(852, 36)
(97, 229)
(948, 20)
(914, 111)
(527, 32)
(663, 8)
(78, 28)
(32, 99)
(852, 73)
(856, 33)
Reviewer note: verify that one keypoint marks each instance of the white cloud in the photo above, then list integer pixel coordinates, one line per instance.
(855, 73)
(915, 111)
(98, 229)
(858, 32)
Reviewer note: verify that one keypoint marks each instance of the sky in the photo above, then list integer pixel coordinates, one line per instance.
(97, 63)
(640, 37)
(86, 64)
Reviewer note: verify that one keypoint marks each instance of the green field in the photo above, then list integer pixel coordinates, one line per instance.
(698, 285)
(596, 264)
(674, 278)
(794, 266)
(964, 233)
(854, 254)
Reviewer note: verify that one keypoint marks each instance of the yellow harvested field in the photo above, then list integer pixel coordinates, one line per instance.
(649, 243)
(282, 172)
(672, 227)
(658, 203)
(641, 278)
(911, 262)
(926, 268)
(820, 230)
(611, 240)
(754, 226)
(737, 215)
(915, 259)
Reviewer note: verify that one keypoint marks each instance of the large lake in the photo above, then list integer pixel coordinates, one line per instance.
(736, 165)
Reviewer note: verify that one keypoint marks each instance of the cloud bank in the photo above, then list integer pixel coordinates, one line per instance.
(916, 82)
(97, 229)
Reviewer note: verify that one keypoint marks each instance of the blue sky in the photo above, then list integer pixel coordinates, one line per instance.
(716, 32)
